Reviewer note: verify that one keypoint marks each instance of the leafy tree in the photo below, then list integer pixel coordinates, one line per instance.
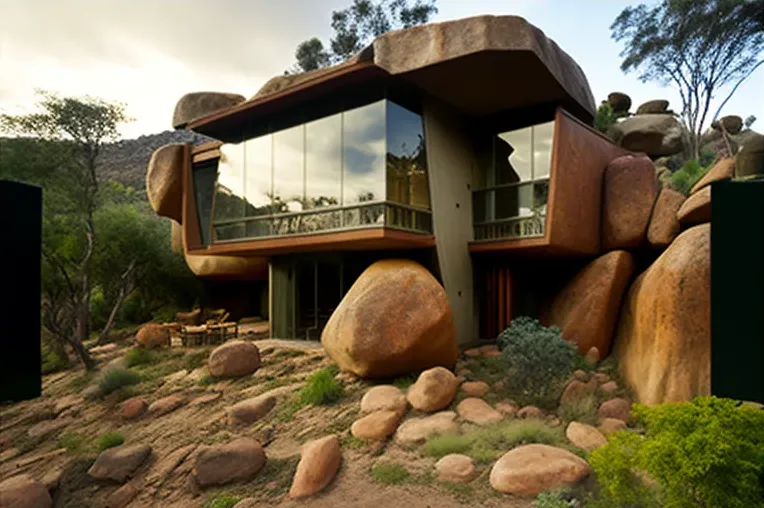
(355, 26)
(698, 46)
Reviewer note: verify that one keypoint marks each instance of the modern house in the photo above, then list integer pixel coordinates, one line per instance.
(465, 145)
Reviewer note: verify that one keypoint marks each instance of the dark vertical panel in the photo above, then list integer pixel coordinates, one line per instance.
(21, 232)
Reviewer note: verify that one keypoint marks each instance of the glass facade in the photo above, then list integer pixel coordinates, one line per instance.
(512, 183)
(363, 167)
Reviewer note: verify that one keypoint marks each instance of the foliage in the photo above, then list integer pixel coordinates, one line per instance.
(108, 440)
(139, 356)
(582, 409)
(224, 501)
(604, 118)
(698, 46)
(321, 388)
(697, 452)
(687, 176)
(551, 499)
(115, 378)
(404, 382)
(195, 359)
(73, 442)
(355, 26)
(389, 473)
(53, 361)
(539, 361)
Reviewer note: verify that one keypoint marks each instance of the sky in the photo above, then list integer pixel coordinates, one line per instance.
(148, 53)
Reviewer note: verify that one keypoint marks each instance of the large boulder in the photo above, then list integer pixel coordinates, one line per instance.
(433, 390)
(198, 104)
(319, 463)
(620, 102)
(664, 225)
(732, 124)
(587, 308)
(722, 170)
(656, 106)
(119, 463)
(237, 461)
(663, 338)
(23, 491)
(696, 209)
(531, 469)
(164, 180)
(153, 336)
(235, 358)
(654, 134)
(394, 320)
(750, 158)
(630, 189)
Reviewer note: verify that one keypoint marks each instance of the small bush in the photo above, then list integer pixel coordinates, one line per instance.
(389, 474)
(73, 442)
(551, 499)
(538, 361)
(605, 118)
(206, 381)
(139, 356)
(321, 388)
(193, 361)
(116, 378)
(108, 440)
(697, 453)
(687, 176)
(582, 410)
(53, 362)
(224, 501)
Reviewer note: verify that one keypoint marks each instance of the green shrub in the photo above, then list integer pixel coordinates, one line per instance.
(698, 453)
(321, 388)
(195, 360)
(538, 361)
(224, 501)
(73, 442)
(116, 378)
(108, 440)
(53, 362)
(551, 499)
(605, 118)
(139, 356)
(389, 474)
(687, 176)
(707, 159)
(583, 409)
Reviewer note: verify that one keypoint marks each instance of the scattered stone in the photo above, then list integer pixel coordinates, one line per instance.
(585, 436)
(475, 388)
(23, 491)
(609, 388)
(586, 310)
(619, 408)
(581, 375)
(592, 356)
(251, 410)
(238, 460)
(478, 411)
(750, 159)
(166, 405)
(164, 467)
(506, 408)
(122, 496)
(577, 390)
(601, 377)
(376, 426)
(611, 425)
(153, 336)
(235, 358)
(665, 316)
(416, 430)
(653, 107)
(205, 399)
(531, 469)
(384, 398)
(435, 389)
(530, 412)
(722, 170)
(455, 468)
(696, 209)
(382, 329)
(473, 352)
(663, 224)
(319, 462)
(132, 408)
(119, 463)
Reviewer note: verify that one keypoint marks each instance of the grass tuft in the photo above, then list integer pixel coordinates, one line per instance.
(321, 388)
(116, 378)
(195, 359)
(108, 440)
(223, 501)
(139, 356)
(404, 382)
(73, 442)
(583, 410)
(389, 473)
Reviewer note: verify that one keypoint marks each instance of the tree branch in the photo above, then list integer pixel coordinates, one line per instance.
(734, 89)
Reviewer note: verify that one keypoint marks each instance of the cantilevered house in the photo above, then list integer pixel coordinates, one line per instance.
(464, 145)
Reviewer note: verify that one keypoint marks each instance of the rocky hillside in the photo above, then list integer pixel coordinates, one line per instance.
(125, 161)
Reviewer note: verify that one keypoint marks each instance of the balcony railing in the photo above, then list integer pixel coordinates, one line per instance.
(518, 227)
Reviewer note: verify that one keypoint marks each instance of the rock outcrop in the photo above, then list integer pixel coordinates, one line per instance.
(653, 134)
(152, 336)
(586, 310)
(732, 124)
(656, 106)
(394, 320)
(696, 209)
(663, 339)
(164, 180)
(319, 463)
(198, 104)
(620, 102)
(722, 170)
(664, 225)
(23, 491)
(235, 358)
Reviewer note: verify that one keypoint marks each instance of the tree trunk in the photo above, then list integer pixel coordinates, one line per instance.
(83, 354)
(123, 293)
(81, 334)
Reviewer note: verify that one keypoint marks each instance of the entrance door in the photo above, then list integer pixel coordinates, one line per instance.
(317, 291)
(495, 300)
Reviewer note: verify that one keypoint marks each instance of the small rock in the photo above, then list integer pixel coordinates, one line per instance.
(23, 491)
(611, 425)
(122, 496)
(506, 408)
(592, 356)
(531, 469)
(376, 426)
(577, 390)
(581, 375)
(319, 462)
(478, 411)
(433, 390)
(455, 468)
(132, 408)
(235, 358)
(384, 398)
(464, 373)
(585, 436)
(530, 412)
(601, 377)
(610, 387)
(475, 388)
(166, 405)
(473, 352)
(346, 377)
(418, 429)
(153, 336)
(489, 349)
(238, 460)
(615, 408)
(205, 399)
(492, 354)
(118, 463)
(249, 411)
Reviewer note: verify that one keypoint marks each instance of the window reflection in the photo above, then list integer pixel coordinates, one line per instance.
(289, 170)
(364, 154)
(229, 196)
(323, 173)
(406, 158)
(258, 175)
(205, 175)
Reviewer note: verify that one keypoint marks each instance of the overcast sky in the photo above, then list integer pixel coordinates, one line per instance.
(148, 53)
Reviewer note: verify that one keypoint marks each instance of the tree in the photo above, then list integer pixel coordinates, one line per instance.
(355, 26)
(698, 46)
(78, 129)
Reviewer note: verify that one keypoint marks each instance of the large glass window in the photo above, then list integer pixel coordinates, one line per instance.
(258, 185)
(205, 175)
(288, 178)
(323, 173)
(512, 185)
